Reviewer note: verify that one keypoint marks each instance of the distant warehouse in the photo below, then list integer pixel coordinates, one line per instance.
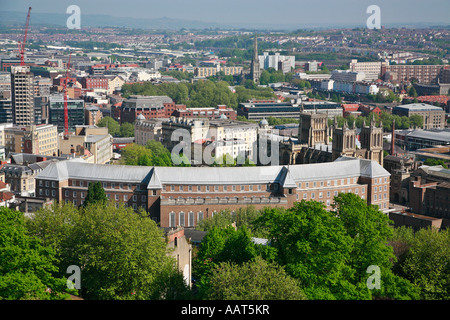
(258, 110)
(433, 117)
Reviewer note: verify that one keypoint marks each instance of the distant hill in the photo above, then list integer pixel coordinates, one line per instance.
(9, 18)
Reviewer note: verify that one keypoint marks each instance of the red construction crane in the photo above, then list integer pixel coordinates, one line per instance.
(22, 45)
(66, 111)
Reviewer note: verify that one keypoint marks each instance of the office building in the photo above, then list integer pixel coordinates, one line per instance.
(75, 109)
(433, 117)
(277, 61)
(86, 141)
(371, 70)
(35, 139)
(424, 74)
(347, 75)
(22, 95)
(149, 106)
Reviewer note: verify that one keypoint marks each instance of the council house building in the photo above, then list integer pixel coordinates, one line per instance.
(182, 196)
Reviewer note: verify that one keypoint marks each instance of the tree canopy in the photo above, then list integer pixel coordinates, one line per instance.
(27, 265)
(122, 254)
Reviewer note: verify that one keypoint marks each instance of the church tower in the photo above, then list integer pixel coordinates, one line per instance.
(344, 141)
(313, 129)
(372, 142)
(255, 68)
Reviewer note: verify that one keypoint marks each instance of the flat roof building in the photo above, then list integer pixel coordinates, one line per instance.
(433, 117)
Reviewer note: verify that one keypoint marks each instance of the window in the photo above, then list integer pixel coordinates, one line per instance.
(313, 195)
(135, 197)
(375, 197)
(113, 185)
(82, 195)
(116, 197)
(234, 188)
(40, 192)
(328, 194)
(66, 193)
(154, 192)
(181, 219)
(74, 194)
(143, 198)
(189, 188)
(40, 183)
(125, 197)
(191, 219)
(199, 216)
(46, 183)
(53, 193)
(53, 184)
(121, 186)
(172, 222)
(172, 188)
(320, 194)
(305, 195)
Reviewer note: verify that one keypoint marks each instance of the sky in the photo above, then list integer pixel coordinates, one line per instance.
(252, 11)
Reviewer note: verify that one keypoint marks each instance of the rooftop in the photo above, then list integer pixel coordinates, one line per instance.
(155, 177)
(418, 107)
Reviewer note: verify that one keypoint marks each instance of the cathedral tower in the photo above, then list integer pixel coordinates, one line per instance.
(344, 141)
(372, 142)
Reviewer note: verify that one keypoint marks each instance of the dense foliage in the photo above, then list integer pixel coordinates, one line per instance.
(121, 254)
(200, 94)
(27, 265)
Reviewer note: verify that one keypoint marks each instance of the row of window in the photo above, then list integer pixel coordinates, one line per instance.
(117, 197)
(215, 188)
(181, 221)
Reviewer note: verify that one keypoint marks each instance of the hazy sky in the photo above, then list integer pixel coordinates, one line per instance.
(252, 11)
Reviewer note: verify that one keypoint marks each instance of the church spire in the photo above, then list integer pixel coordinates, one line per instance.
(255, 68)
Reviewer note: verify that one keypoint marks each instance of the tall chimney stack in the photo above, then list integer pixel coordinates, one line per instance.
(393, 138)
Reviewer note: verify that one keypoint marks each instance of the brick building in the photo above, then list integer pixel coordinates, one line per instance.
(94, 82)
(182, 196)
(149, 106)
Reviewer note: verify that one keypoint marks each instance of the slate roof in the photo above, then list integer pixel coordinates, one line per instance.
(155, 177)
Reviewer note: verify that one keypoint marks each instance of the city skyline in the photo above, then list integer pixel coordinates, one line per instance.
(257, 14)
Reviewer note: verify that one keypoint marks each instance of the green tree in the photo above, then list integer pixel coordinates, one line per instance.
(126, 130)
(27, 266)
(161, 155)
(329, 252)
(95, 194)
(371, 233)
(232, 281)
(122, 255)
(412, 92)
(435, 162)
(416, 121)
(425, 261)
(112, 125)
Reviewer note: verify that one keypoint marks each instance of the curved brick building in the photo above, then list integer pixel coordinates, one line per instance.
(184, 195)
